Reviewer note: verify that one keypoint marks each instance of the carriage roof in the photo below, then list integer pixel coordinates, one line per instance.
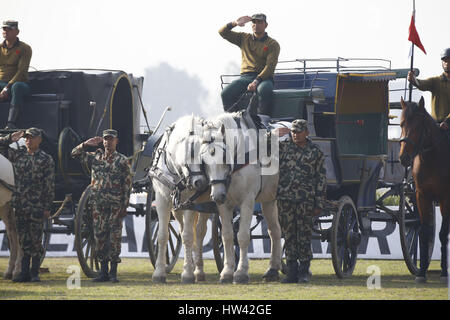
(86, 100)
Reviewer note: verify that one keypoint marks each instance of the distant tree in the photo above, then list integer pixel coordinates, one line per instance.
(166, 86)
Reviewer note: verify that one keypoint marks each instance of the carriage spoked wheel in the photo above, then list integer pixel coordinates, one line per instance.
(84, 236)
(409, 226)
(345, 238)
(151, 232)
(216, 235)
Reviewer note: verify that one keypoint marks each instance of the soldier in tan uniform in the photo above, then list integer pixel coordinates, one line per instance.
(15, 56)
(111, 186)
(259, 60)
(440, 92)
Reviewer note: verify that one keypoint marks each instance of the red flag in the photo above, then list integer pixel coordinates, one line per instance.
(414, 36)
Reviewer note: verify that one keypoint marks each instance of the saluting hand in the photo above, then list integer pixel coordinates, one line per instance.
(281, 131)
(93, 142)
(241, 21)
(16, 136)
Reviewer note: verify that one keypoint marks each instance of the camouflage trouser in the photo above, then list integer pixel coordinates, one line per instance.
(30, 228)
(107, 230)
(296, 221)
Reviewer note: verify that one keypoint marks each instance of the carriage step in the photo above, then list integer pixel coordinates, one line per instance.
(59, 230)
(381, 216)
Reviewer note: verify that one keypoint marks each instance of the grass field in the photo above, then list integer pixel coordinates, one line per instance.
(135, 284)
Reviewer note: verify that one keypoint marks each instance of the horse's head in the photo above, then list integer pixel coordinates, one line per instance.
(413, 123)
(186, 140)
(213, 153)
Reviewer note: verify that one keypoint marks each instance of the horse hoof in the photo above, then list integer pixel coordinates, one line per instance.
(420, 280)
(160, 279)
(187, 280)
(271, 276)
(7, 276)
(241, 279)
(226, 279)
(200, 277)
(443, 279)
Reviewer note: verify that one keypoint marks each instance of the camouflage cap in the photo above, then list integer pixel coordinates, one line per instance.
(299, 125)
(259, 16)
(445, 54)
(34, 132)
(11, 24)
(110, 133)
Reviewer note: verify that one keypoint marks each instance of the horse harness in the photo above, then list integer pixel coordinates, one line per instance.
(169, 175)
(235, 166)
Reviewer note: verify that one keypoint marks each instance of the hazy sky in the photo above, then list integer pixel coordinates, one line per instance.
(135, 35)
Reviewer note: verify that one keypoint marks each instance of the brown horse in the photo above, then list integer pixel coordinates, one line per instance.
(424, 146)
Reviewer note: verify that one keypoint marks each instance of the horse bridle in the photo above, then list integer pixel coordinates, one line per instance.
(227, 180)
(418, 147)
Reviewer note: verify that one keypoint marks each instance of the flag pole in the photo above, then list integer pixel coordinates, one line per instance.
(412, 52)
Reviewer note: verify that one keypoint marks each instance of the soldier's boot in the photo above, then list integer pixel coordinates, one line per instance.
(34, 272)
(292, 272)
(304, 274)
(113, 272)
(12, 117)
(103, 274)
(24, 275)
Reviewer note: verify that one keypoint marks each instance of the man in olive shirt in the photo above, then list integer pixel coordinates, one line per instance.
(440, 91)
(15, 57)
(259, 59)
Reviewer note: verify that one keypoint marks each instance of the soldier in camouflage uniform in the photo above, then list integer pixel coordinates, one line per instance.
(300, 195)
(34, 174)
(111, 186)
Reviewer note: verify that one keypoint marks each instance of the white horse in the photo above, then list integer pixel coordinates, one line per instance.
(8, 218)
(242, 187)
(174, 162)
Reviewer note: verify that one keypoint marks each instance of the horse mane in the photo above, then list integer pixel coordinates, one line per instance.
(182, 127)
(431, 128)
(413, 109)
(227, 119)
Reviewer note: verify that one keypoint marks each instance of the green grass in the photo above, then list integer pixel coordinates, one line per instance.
(135, 283)
(389, 201)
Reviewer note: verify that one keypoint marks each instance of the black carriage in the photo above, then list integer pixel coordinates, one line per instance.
(350, 107)
(72, 106)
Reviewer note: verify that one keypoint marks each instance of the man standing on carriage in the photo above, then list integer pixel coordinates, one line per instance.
(34, 175)
(15, 56)
(301, 195)
(440, 92)
(111, 186)
(259, 59)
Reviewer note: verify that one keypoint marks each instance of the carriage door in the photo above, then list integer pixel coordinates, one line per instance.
(122, 114)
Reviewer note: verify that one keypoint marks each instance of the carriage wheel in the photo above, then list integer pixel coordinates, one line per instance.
(409, 227)
(69, 139)
(84, 236)
(216, 235)
(345, 238)
(151, 233)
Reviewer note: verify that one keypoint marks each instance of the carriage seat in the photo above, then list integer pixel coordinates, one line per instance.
(49, 112)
